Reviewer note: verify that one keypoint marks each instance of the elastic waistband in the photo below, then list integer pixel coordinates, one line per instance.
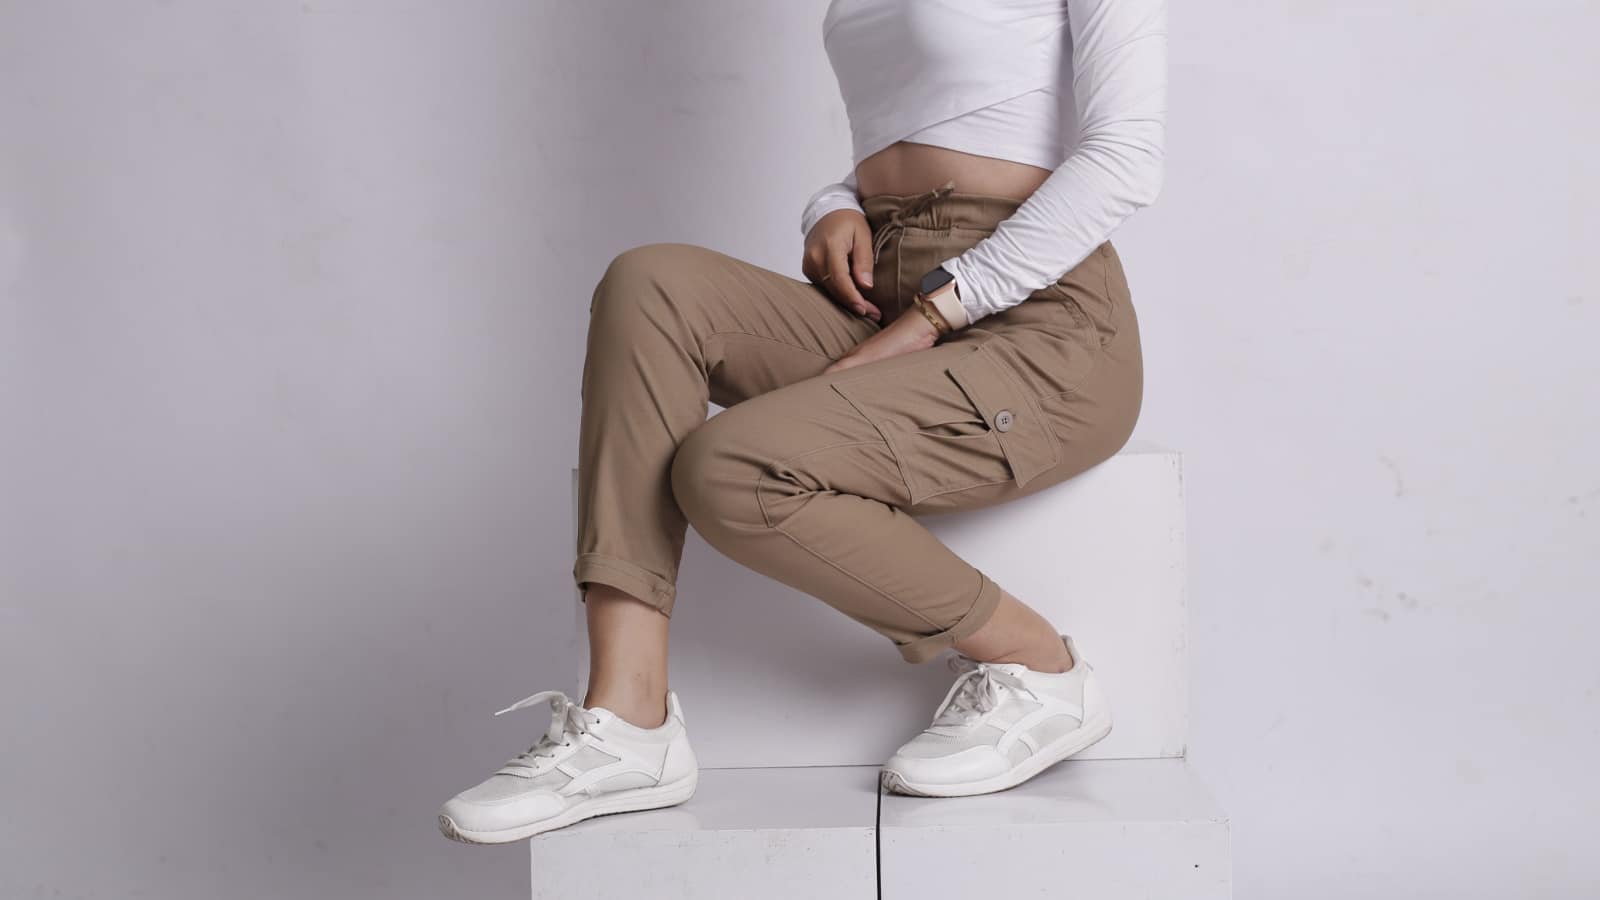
(942, 207)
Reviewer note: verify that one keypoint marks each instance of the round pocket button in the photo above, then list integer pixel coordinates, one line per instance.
(1003, 420)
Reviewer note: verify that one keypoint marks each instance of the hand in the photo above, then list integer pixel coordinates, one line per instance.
(906, 334)
(838, 257)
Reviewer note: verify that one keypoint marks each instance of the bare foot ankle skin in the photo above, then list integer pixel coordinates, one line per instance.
(638, 711)
(627, 656)
(1016, 633)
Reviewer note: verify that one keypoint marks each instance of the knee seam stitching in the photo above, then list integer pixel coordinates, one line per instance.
(767, 469)
(797, 542)
(857, 579)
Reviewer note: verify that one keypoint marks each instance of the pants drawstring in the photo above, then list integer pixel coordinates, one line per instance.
(897, 220)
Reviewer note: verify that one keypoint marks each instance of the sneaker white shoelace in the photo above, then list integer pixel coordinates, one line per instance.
(568, 720)
(976, 691)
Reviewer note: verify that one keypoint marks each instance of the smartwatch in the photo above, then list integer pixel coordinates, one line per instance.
(939, 289)
(937, 277)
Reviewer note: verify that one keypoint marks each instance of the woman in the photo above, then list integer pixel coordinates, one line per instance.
(953, 348)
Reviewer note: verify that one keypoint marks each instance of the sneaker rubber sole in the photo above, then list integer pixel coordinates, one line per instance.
(629, 800)
(1075, 741)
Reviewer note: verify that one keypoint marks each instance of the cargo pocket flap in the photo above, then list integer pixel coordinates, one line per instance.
(1025, 438)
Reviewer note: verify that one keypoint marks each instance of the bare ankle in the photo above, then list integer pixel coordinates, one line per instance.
(1015, 633)
(637, 710)
(1052, 658)
(627, 656)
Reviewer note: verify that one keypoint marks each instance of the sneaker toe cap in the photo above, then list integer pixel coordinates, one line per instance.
(483, 816)
(918, 766)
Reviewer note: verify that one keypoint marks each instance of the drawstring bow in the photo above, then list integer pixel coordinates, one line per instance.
(897, 219)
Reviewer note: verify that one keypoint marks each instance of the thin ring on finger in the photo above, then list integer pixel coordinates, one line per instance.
(824, 278)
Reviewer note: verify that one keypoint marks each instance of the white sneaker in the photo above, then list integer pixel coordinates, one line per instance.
(590, 763)
(999, 725)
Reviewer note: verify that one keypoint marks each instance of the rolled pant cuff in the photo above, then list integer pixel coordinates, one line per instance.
(597, 568)
(927, 647)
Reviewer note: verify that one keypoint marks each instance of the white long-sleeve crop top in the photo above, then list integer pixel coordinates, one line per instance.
(983, 77)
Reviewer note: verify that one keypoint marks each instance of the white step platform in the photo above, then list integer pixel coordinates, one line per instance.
(774, 834)
(1106, 829)
(763, 669)
(1111, 829)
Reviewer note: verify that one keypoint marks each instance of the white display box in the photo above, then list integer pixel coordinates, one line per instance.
(1106, 829)
(772, 833)
(769, 676)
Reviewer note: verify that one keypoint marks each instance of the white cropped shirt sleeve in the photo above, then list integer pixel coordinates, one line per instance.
(1119, 69)
(842, 194)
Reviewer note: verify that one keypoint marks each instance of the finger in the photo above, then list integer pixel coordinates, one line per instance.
(844, 284)
(861, 254)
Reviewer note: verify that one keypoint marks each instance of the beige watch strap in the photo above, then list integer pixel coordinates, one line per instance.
(949, 305)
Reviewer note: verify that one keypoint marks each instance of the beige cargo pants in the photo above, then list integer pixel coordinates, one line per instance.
(815, 480)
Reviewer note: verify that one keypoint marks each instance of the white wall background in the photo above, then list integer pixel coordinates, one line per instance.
(291, 305)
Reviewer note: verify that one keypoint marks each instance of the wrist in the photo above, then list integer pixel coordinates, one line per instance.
(947, 300)
(928, 319)
(940, 289)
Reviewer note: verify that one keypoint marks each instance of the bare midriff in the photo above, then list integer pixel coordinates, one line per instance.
(905, 168)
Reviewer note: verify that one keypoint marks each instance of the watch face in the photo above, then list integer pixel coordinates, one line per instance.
(936, 278)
